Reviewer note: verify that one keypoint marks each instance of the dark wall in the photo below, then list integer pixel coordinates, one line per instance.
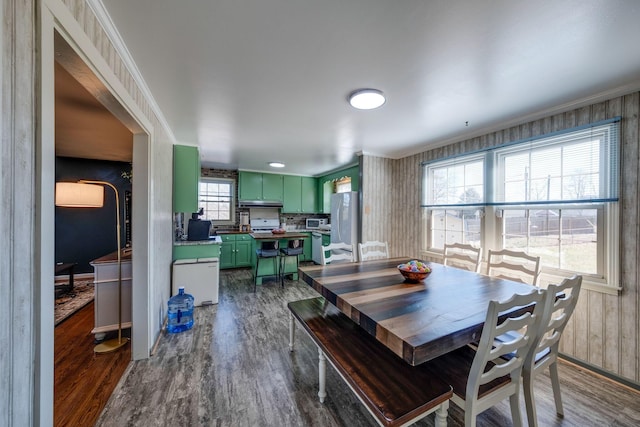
(84, 234)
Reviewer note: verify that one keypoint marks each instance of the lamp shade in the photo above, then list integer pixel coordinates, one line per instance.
(79, 195)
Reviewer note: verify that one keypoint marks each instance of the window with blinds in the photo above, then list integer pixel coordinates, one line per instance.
(553, 196)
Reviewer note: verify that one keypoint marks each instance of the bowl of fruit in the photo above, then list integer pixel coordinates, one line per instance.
(414, 271)
(279, 231)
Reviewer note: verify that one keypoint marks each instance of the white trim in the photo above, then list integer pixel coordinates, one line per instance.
(44, 235)
(104, 19)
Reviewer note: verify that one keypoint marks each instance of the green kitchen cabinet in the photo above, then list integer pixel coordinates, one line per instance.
(300, 194)
(272, 186)
(235, 250)
(306, 249)
(250, 185)
(260, 186)
(309, 197)
(243, 250)
(292, 198)
(186, 178)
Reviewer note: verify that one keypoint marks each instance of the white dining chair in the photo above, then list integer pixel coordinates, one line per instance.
(337, 252)
(514, 265)
(462, 255)
(559, 304)
(373, 249)
(480, 377)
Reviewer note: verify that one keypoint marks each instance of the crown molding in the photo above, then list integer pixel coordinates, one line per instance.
(104, 19)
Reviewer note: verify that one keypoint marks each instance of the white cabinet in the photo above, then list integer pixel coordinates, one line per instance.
(106, 292)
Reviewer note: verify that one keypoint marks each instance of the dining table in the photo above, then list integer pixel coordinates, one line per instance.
(417, 321)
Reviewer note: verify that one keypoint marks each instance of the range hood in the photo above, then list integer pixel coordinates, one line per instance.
(260, 203)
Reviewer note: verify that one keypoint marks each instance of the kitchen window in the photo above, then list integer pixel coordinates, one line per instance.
(216, 197)
(554, 196)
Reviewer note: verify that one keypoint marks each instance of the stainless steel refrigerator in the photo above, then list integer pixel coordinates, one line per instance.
(344, 219)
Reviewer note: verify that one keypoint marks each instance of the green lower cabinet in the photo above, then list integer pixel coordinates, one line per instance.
(306, 249)
(235, 250)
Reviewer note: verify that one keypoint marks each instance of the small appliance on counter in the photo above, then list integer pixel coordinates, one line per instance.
(315, 223)
(198, 229)
(244, 222)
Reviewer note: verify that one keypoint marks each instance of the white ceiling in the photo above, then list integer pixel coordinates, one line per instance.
(251, 81)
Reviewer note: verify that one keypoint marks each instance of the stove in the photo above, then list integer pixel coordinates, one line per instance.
(264, 225)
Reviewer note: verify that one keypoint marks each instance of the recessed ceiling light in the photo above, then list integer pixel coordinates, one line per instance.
(366, 99)
(276, 164)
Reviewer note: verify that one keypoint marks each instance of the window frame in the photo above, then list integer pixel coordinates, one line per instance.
(492, 223)
(232, 201)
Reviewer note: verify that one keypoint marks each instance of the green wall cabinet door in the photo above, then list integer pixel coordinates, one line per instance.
(250, 186)
(186, 178)
(309, 195)
(272, 186)
(292, 200)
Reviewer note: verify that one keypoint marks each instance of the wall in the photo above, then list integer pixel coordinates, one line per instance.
(604, 331)
(26, 194)
(82, 235)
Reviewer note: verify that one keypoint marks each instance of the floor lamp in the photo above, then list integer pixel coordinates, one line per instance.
(90, 194)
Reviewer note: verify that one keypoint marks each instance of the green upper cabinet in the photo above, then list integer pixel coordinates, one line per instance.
(272, 186)
(326, 187)
(259, 186)
(300, 194)
(186, 178)
(292, 202)
(250, 185)
(309, 195)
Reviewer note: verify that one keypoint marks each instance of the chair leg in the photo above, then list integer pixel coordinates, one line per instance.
(555, 384)
(255, 280)
(530, 404)
(514, 401)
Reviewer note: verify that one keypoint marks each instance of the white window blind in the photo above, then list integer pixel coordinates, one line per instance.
(575, 167)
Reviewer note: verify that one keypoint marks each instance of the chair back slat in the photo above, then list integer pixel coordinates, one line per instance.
(559, 304)
(462, 255)
(514, 265)
(338, 252)
(488, 354)
(373, 250)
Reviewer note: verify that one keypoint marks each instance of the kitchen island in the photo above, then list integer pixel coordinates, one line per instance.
(267, 268)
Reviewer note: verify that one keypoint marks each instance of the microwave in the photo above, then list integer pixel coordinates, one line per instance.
(315, 223)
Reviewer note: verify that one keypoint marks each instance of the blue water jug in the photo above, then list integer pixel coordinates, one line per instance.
(180, 312)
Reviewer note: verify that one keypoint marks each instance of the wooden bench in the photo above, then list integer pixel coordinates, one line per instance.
(394, 392)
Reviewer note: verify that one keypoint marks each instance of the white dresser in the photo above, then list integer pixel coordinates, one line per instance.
(106, 292)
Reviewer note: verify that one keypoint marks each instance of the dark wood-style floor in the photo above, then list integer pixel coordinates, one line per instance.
(83, 380)
(234, 369)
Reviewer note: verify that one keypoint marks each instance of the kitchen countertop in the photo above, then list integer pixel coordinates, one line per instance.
(213, 240)
(271, 236)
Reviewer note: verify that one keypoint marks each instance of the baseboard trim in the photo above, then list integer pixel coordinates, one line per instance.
(601, 372)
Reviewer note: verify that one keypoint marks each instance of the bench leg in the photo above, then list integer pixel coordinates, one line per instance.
(292, 330)
(322, 376)
(441, 414)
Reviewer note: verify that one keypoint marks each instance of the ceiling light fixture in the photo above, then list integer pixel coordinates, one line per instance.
(366, 99)
(276, 164)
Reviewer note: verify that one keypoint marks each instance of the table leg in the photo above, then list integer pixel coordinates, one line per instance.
(441, 414)
(322, 376)
(292, 330)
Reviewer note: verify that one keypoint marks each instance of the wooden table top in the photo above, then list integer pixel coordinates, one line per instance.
(417, 321)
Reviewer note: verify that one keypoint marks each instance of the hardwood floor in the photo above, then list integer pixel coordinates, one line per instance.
(234, 369)
(83, 380)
